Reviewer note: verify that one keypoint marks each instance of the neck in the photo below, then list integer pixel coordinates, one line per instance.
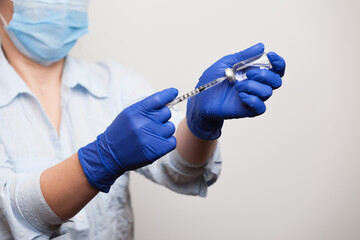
(38, 77)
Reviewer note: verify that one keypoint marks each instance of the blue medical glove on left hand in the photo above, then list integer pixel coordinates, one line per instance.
(206, 111)
(139, 135)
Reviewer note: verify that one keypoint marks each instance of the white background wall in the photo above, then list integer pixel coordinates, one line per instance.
(293, 173)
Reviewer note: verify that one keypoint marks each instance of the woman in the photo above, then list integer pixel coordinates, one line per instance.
(71, 131)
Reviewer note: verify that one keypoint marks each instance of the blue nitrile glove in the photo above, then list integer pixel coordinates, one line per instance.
(138, 136)
(206, 111)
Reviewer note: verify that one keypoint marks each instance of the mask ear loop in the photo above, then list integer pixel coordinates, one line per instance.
(3, 20)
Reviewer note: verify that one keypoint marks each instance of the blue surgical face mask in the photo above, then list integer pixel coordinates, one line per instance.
(46, 30)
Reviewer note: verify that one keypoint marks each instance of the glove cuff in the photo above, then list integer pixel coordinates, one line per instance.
(94, 159)
(200, 126)
(207, 130)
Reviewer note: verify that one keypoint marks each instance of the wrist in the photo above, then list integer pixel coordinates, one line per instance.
(199, 125)
(203, 128)
(65, 188)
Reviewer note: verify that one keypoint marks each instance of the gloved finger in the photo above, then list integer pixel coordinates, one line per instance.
(278, 63)
(165, 130)
(265, 76)
(255, 105)
(245, 54)
(255, 88)
(162, 115)
(171, 143)
(160, 99)
(164, 146)
(168, 129)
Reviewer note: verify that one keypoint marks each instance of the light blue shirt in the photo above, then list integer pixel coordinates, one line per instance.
(91, 96)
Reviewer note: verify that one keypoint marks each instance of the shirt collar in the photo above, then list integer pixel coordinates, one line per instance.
(76, 73)
(89, 76)
(11, 84)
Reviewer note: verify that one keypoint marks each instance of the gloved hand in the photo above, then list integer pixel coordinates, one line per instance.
(138, 136)
(206, 111)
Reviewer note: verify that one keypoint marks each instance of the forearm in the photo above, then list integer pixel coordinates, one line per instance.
(192, 148)
(66, 188)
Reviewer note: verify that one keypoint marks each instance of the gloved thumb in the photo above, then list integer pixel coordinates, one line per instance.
(160, 99)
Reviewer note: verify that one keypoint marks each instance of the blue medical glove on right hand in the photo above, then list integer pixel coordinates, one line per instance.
(139, 135)
(207, 111)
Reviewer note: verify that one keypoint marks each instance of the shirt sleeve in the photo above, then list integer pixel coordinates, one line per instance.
(24, 213)
(181, 176)
(171, 171)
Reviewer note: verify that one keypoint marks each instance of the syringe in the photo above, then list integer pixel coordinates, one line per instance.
(237, 72)
(196, 91)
